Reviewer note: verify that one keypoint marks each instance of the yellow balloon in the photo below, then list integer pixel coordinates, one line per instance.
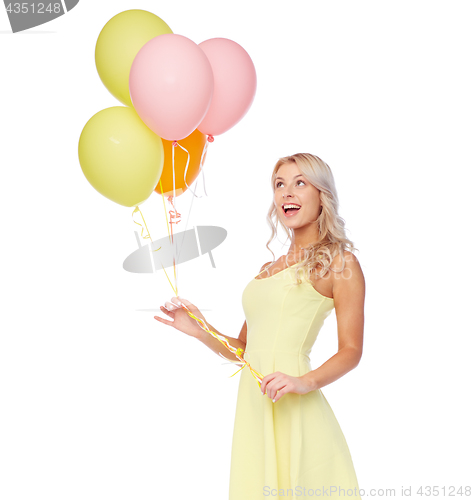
(119, 42)
(120, 156)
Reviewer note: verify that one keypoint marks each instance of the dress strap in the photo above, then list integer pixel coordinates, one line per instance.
(267, 267)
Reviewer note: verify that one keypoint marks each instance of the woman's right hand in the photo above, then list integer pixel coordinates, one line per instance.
(182, 321)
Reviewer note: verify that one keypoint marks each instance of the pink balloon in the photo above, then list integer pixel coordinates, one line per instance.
(171, 85)
(235, 85)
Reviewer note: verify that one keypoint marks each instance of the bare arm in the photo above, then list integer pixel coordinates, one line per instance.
(184, 323)
(217, 347)
(349, 297)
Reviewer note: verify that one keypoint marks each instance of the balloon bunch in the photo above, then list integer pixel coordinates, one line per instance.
(173, 90)
(176, 94)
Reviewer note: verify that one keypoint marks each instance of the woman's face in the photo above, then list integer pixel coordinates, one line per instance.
(291, 187)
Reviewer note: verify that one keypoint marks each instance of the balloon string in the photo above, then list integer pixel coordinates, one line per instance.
(175, 143)
(187, 166)
(204, 152)
(187, 221)
(173, 214)
(202, 156)
(238, 352)
(149, 236)
(169, 235)
(142, 229)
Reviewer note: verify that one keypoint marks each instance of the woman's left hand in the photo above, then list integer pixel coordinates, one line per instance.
(277, 384)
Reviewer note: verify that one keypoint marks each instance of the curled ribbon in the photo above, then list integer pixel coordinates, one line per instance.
(173, 214)
(202, 156)
(238, 352)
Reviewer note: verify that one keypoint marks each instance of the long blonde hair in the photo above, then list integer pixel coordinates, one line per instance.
(331, 227)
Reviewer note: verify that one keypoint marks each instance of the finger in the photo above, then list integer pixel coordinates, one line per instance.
(162, 320)
(285, 386)
(266, 380)
(170, 306)
(274, 386)
(176, 301)
(185, 302)
(264, 384)
(280, 394)
(270, 390)
(165, 311)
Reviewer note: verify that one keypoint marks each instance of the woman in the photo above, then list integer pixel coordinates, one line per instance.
(289, 444)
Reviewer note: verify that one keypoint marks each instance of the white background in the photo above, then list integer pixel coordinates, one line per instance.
(99, 400)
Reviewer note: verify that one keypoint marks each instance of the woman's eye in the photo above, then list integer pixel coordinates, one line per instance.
(300, 180)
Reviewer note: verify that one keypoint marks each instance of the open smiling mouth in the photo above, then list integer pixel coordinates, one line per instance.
(291, 209)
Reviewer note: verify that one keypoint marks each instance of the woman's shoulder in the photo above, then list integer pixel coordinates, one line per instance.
(349, 257)
(271, 264)
(266, 265)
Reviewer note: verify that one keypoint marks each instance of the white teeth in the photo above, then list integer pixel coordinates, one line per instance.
(290, 206)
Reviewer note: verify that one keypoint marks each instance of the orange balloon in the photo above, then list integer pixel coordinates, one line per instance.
(194, 143)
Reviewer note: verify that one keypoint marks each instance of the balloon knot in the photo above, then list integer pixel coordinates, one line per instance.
(174, 143)
(210, 138)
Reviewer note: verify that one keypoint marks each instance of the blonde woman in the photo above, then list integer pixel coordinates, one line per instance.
(286, 440)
